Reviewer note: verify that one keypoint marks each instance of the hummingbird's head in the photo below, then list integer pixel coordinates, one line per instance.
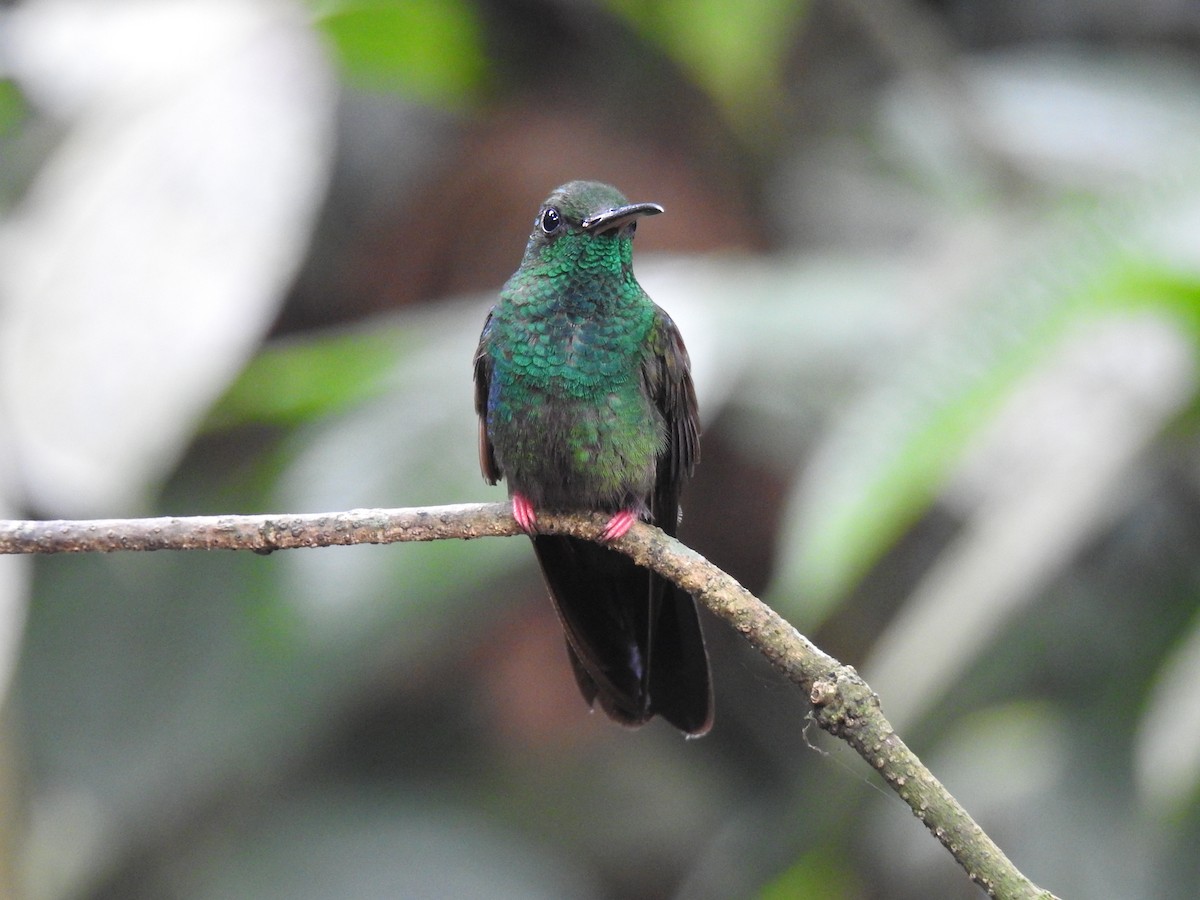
(581, 211)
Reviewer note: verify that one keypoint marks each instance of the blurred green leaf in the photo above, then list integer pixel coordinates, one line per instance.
(1141, 284)
(735, 51)
(429, 49)
(304, 379)
(12, 107)
(818, 873)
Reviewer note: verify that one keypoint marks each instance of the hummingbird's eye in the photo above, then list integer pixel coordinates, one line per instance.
(551, 219)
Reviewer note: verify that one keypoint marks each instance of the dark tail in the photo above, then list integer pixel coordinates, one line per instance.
(633, 637)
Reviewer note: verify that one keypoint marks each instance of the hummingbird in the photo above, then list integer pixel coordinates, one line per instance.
(585, 400)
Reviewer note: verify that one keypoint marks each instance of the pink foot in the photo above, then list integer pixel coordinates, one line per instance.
(524, 514)
(618, 525)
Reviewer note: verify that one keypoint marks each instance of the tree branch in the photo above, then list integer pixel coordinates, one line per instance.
(843, 704)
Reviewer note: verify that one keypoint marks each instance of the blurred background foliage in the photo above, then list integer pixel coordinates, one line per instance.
(938, 267)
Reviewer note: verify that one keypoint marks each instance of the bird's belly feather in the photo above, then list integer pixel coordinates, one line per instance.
(574, 438)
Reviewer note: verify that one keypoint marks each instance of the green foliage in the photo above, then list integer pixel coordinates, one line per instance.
(818, 873)
(300, 380)
(12, 108)
(431, 50)
(735, 51)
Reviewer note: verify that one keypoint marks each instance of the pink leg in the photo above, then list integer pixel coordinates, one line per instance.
(524, 514)
(618, 525)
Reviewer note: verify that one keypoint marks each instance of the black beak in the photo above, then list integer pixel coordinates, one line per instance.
(614, 218)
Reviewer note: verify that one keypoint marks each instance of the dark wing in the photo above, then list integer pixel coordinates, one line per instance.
(668, 378)
(483, 384)
(679, 682)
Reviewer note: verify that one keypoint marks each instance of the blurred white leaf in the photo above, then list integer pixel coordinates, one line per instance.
(152, 250)
(1090, 119)
(1065, 118)
(14, 594)
(15, 575)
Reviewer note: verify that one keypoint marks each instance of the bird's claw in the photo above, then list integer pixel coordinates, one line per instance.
(619, 524)
(523, 512)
